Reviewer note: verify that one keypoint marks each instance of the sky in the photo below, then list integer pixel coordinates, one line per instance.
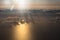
(32, 4)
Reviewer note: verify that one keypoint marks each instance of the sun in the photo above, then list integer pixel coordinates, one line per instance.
(22, 4)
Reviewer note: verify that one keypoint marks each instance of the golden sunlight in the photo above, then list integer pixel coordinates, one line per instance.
(22, 32)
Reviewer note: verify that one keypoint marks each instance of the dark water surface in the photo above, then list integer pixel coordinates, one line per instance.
(29, 31)
(42, 27)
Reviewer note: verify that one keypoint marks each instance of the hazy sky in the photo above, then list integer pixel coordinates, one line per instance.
(41, 0)
(37, 0)
(35, 4)
(46, 0)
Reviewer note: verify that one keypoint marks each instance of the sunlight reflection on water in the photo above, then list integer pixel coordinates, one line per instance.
(22, 32)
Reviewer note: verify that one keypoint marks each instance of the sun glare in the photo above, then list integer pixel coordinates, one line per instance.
(22, 4)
